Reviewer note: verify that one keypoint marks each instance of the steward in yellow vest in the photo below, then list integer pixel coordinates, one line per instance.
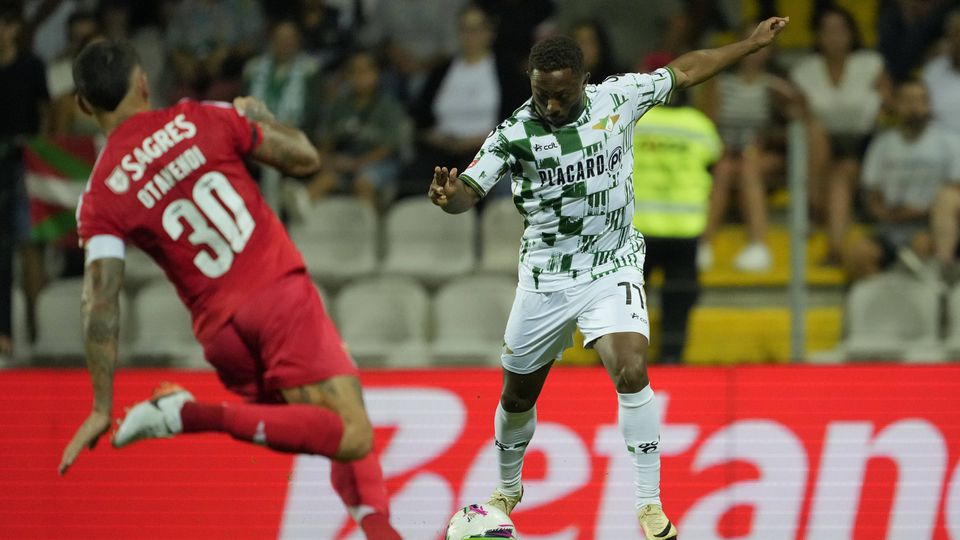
(673, 148)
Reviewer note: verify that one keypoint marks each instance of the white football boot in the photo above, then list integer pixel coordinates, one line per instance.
(157, 417)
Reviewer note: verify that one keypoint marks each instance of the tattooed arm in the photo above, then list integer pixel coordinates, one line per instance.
(283, 147)
(102, 281)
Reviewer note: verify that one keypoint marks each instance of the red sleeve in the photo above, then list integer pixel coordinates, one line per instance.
(244, 134)
(93, 220)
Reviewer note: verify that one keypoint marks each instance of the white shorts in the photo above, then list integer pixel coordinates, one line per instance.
(541, 324)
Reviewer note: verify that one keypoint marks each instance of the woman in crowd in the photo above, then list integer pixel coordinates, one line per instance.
(845, 86)
(464, 98)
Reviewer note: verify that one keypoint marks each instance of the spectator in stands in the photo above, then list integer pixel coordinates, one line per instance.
(65, 117)
(745, 103)
(904, 169)
(81, 26)
(360, 137)
(417, 35)
(324, 34)
(634, 28)
(464, 97)
(906, 30)
(284, 78)
(46, 24)
(942, 77)
(597, 56)
(673, 149)
(845, 86)
(208, 37)
(945, 228)
(520, 24)
(23, 102)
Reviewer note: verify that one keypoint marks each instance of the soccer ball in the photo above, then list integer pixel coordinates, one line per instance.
(479, 521)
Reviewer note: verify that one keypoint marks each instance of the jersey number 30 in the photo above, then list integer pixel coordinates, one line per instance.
(214, 201)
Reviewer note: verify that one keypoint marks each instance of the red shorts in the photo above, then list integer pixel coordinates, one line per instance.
(280, 338)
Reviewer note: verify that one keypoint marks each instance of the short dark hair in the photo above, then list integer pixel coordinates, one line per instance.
(557, 53)
(102, 71)
(856, 41)
(10, 13)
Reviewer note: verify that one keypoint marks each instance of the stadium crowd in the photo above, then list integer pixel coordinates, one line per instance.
(390, 88)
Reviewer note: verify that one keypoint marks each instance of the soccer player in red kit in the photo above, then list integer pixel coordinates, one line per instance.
(172, 181)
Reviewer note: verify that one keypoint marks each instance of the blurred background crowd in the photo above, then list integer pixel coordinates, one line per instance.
(389, 88)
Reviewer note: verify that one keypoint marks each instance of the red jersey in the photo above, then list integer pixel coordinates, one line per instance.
(173, 183)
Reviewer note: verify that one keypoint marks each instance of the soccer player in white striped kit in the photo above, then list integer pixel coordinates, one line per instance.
(568, 151)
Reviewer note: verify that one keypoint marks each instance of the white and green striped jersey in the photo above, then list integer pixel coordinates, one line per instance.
(573, 184)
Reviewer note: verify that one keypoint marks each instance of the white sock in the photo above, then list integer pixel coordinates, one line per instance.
(640, 424)
(513, 432)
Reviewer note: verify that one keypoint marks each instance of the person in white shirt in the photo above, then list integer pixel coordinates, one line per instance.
(845, 87)
(904, 170)
(942, 77)
(466, 96)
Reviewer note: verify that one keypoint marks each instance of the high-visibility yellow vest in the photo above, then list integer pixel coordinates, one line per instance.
(672, 150)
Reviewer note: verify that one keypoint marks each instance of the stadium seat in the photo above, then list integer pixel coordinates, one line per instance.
(425, 243)
(891, 315)
(60, 324)
(21, 334)
(501, 227)
(469, 317)
(378, 317)
(338, 239)
(139, 269)
(163, 330)
(952, 341)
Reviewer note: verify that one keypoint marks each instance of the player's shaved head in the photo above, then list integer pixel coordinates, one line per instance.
(103, 72)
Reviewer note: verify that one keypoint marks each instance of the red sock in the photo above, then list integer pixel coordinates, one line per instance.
(360, 484)
(377, 527)
(297, 429)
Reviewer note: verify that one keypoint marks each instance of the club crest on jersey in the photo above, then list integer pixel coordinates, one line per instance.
(118, 181)
(607, 123)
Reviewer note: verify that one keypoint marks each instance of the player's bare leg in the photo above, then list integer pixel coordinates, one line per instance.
(944, 224)
(357, 480)
(624, 356)
(514, 424)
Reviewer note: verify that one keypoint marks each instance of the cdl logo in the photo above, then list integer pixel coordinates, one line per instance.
(795, 473)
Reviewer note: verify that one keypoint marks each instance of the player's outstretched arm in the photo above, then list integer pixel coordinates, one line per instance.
(450, 193)
(102, 281)
(283, 147)
(697, 66)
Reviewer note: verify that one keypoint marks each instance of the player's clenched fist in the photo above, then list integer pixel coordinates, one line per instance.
(444, 186)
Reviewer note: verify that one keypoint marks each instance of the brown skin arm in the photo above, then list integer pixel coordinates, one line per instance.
(697, 66)
(283, 147)
(878, 207)
(450, 193)
(892, 214)
(102, 281)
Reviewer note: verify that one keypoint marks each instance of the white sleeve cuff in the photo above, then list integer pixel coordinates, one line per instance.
(104, 246)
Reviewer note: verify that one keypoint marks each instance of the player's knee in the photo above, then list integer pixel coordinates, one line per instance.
(357, 441)
(516, 404)
(631, 375)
